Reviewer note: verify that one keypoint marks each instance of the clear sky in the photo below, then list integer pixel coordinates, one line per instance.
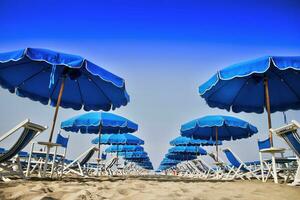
(163, 49)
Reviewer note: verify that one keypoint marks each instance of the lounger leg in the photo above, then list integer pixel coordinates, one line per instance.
(261, 167)
(274, 169)
(53, 162)
(297, 176)
(46, 162)
(29, 160)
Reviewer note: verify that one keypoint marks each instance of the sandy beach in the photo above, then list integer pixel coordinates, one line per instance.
(149, 187)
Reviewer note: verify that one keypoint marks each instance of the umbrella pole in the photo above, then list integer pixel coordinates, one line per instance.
(98, 158)
(57, 107)
(267, 98)
(217, 150)
(117, 154)
(99, 137)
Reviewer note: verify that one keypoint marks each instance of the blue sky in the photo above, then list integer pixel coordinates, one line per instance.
(163, 49)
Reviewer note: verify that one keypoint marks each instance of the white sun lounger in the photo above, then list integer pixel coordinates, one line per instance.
(292, 137)
(76, 166)
(239, 168)
(30, 131)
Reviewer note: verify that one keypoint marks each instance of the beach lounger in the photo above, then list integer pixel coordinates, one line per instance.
(55, 159)
(30, 131)
(222, 167)
(292, 137)
(238, 168)
(109, 165)
(205, 170)
(76, 166)
(274, 166)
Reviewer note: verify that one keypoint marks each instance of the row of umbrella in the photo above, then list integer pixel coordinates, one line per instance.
(112, 130)
(267, 83)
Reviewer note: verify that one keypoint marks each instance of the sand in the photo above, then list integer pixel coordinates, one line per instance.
(148, 187)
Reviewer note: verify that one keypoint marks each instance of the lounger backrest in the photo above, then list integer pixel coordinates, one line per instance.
(63, 141)
(233, 159)
(26, 136)
(112, 163)
(87, 157)
(293, 140)
(265, 144)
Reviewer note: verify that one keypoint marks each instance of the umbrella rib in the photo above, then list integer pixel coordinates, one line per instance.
(99, 88)
(30, 77)
(226, 82)
(233, 101)
(79, 88)
(293, 91)
(226, 127)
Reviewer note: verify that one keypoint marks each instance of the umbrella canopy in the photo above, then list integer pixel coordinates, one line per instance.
(118, 139)
(187, 141)
(91, 122)
(65, 80)
(29, 73)
(270, 83)
(188, 150)
(138, 160)
(240, 87)
(134, 155)
(218, 127)
(229, 128)
(167, 161)
(180, 156)
(164, 167)
(123, 148)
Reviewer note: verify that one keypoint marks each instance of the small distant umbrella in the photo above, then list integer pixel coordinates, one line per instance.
(270, 83)
(180, 156)
(196, 150)
(218, 127)
(65, 80)
(98, 123)
(135, 155)
(167, 161)
(187, 141)
(118, 139)
(123, 148)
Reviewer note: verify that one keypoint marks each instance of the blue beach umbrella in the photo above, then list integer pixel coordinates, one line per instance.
(99, 122)
(218, 127)
(167, 161)
(118, 139)
(180, 156)
(187, 141)
(123, 148)
(270, 83)
(65, 80)
(135, 155)
(94, 121)
(196, 150)
(138, 160)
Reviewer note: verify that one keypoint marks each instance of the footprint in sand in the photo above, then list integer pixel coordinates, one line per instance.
(48, 198)
(123, 191)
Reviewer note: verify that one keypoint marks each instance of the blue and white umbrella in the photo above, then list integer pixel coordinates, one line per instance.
(270, 83)
(118, 139)
(218, 127)
(65, 80)
(196, 150)
(187, 141)
(123, 148)
(180, 156)
(93, 122)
